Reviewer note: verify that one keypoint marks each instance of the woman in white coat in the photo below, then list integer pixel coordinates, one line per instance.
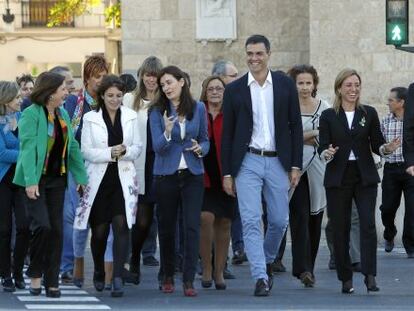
(110, 144)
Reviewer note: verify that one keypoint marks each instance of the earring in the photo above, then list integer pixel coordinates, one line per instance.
(51, 97)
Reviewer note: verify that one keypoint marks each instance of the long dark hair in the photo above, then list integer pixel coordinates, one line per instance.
(187, 103)
(108, 82)
(46, 84)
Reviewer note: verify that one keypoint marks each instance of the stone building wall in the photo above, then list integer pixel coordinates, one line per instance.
(167, 29)
(352, 34)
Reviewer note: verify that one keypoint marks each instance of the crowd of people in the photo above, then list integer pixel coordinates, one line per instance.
(256, 154)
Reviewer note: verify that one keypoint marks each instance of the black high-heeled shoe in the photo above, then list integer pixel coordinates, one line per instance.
(19, 281)
(371, 284)
(220, 286)
(55, 293)
(35, 291)
(347, 287)
(99, 281)
(206, 284)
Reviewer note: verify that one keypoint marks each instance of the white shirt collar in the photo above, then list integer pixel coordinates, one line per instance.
(251, 79)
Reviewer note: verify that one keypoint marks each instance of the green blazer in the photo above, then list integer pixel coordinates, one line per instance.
(33, 144)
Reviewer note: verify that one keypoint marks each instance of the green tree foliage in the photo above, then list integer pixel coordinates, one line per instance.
(64, 10)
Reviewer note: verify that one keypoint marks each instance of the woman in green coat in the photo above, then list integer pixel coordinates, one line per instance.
(48, 151)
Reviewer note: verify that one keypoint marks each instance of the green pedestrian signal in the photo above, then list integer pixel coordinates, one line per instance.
(396, 31)
(396, 34)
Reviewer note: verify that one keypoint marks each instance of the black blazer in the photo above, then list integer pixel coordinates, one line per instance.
(363, 138)
(408, 132)
(238, 123)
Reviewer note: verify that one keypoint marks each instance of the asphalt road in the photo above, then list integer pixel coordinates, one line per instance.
(395, 279)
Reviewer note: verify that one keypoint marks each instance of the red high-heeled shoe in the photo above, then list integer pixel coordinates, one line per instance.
(168, 286)
(189, 290)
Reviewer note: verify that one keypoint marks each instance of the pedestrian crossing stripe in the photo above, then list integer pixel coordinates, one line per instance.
(64, 299)
(66, 307)
(70, 293)
(63, 292)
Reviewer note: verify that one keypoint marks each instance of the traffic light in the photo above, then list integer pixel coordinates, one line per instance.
(396, 29)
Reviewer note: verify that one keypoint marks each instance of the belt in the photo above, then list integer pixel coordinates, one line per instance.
(183, 171)
(262, 153)
(395, 164)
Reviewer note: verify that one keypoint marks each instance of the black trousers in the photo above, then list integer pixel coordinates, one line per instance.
(305, 229)
(339, 209)
(170, 190)
(46, 216)
(394, 183)
(12, 200)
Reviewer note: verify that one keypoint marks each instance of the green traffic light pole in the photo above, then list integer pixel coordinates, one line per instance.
(409, 49)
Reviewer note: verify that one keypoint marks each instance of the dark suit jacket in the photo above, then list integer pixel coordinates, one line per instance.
(238, 123)
(408, 132)
(363, 138)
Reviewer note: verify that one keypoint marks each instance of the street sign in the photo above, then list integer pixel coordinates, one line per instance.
(396, 27)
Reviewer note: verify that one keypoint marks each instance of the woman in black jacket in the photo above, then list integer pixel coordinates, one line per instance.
(349, 133)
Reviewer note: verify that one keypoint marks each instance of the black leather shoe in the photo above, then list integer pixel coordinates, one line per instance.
(150, 261)
(371, 284)
(206, 284)
(269, 272)
(347, 287)
(67, 277)
(278, 266)
(35, 291)
(262, 288)
(389, 246)
(129, 278)
(410, 255)
(19, 281)
(8, 285)
(99, 281)
(53, 293)
(117, 290)
(227, 275)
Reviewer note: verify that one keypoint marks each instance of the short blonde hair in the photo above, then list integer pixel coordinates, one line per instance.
(340, 78)
(8, 92)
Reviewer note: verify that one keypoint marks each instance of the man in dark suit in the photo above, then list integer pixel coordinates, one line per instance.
(408, 132)
(262, 146)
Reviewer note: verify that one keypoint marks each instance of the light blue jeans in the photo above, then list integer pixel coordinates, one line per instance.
(265, 175)
(74, 240)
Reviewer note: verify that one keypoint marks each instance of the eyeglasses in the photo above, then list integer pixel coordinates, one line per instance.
(217, 89)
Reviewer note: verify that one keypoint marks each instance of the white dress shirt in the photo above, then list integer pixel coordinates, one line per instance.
(263, 136)
(183, 164)
(350, 118)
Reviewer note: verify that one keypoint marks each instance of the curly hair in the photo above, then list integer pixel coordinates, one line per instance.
(298, 69)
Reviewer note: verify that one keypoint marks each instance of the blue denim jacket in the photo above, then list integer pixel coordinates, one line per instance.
(168, 152)
(9, 149)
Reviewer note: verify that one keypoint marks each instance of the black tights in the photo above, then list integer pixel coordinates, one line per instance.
(141, 230)
(120, 246)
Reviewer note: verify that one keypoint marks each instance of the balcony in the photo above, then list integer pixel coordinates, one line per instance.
(35, 13)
